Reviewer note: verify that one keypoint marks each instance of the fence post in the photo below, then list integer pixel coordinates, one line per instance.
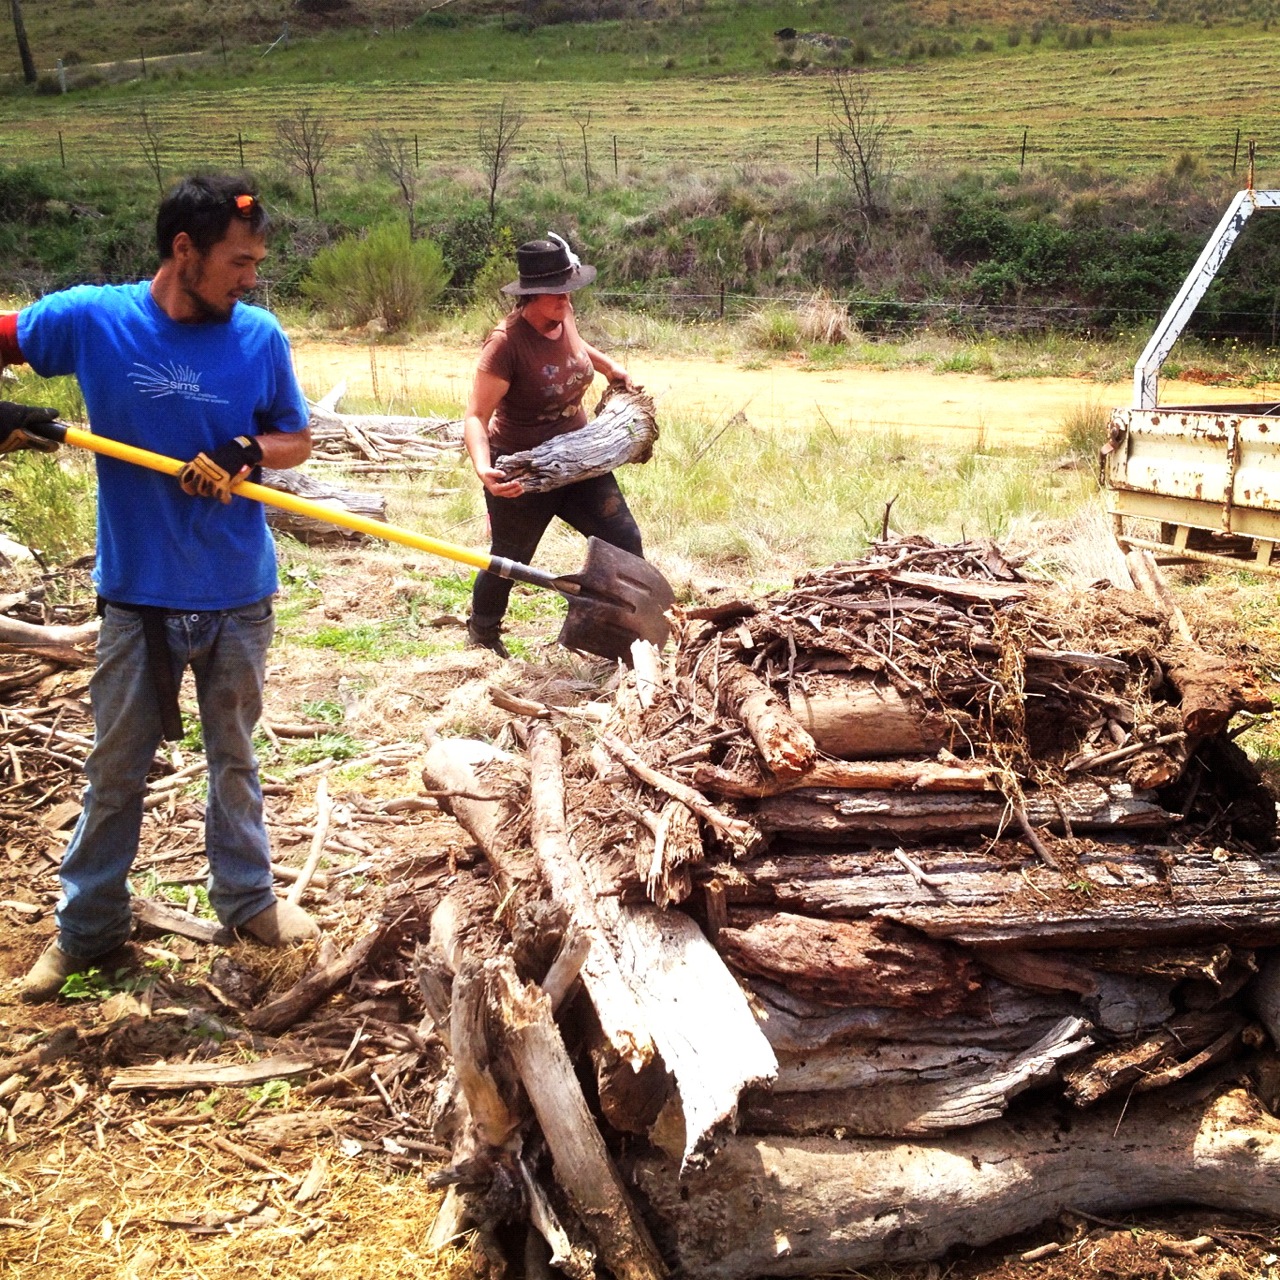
(224, 50)
(240, 144)
(416, 161)
(721, 299)
(615, 155)
(1022, 160)
(62, 155)
(1235, 155)
(817, 152)
(62, 76)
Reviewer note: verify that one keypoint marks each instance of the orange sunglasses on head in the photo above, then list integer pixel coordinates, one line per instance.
(245, 205)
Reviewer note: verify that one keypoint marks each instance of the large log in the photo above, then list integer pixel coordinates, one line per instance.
(624, 430)
(1008, 1020)
(852, 962)
(936, 1099)
(1212, 691)
(688, 1003)
(309, 530)
(1117, 898)
(891, 815)
(858, 719)
(808, 1206)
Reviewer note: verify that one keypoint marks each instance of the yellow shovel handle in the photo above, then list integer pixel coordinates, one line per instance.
(285, 501)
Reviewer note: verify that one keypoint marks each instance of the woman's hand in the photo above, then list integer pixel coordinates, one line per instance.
(621, 378)
(498, 484)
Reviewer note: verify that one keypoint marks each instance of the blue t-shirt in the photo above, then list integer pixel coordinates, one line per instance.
(175, 389)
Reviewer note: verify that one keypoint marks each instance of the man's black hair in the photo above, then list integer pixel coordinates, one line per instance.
(203, 206)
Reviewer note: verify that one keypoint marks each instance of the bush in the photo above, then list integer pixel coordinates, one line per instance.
(383, 276)
(775, 328)
(47, 503)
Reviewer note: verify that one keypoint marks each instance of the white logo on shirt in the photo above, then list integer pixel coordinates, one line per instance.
(171, 380)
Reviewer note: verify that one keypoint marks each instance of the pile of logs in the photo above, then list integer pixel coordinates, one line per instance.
(908, 907)
(380, 442)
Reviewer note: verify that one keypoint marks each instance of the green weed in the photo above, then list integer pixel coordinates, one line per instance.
(94, 984)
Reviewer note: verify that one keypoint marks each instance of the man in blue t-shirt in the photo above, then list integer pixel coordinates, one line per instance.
(185, 573)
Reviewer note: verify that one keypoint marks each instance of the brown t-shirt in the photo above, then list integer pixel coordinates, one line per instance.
(547, 379)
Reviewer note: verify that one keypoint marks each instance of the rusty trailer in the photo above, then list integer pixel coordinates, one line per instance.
(1206, 477)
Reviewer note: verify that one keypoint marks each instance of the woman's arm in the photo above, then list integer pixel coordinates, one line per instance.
(612, 370)
(486, 392)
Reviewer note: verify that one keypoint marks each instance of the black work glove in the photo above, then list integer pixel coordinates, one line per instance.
(211, 475)
(14, 421)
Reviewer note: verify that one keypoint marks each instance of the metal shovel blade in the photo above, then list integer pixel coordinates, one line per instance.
(618, 598)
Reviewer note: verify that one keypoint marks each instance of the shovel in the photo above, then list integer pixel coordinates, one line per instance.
(616, 599)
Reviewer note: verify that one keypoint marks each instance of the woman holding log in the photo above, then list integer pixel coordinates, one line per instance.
(532, 374)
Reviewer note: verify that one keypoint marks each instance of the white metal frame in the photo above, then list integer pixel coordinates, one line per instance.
(1146, 373)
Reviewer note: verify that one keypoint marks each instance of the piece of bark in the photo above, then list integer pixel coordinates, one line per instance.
(313, 987)
(852, 962)
(689, 1005)
(853, 775)
(582, 1163)
(213, 1075)
(59, 1043)
(933, 1102)
(164, 917)
(624, 430)
(1039, 970)
(494, 1118)
(967, 590)
(922, 816)
(815, 1206)
(854, 718)
(1212, 691)
(785, 747)
(1138, 1067)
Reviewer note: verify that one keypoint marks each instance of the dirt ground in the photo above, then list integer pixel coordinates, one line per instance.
(99, 1180)
(954, 408)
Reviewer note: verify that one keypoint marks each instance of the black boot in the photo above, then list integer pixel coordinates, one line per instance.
(486, 638)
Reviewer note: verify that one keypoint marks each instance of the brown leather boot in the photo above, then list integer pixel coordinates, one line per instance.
(281, 925)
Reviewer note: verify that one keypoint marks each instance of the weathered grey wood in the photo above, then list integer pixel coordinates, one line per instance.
(582, 1163)
(623, 431)
(854, 718)
(199, 1075)
(688, 1004)
(494, 1119)
(1122, 899)
(308, 529)
(937, 1100)
(164, 917)
(865, 815)
(810, 1206)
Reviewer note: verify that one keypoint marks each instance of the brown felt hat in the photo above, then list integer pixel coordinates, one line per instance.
(546, 267)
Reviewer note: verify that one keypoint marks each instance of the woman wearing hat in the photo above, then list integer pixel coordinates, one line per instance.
(532, 374)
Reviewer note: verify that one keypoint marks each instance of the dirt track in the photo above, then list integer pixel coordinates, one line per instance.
(954, 408)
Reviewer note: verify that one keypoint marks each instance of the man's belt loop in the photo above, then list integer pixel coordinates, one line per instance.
(159, 664)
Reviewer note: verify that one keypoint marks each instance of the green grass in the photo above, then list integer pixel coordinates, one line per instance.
(1135, 103)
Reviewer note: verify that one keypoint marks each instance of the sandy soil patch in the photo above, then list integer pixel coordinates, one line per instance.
(952, 408)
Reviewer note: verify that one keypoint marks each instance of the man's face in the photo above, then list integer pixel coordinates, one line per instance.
(212, 283)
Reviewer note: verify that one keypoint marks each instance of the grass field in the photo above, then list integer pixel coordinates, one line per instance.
(1134, 103)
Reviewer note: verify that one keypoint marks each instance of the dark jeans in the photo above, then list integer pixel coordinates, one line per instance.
(595, 508)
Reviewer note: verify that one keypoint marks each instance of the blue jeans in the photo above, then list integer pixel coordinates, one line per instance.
(227, 653)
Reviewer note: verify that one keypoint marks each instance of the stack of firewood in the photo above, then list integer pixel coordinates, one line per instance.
(855, 866)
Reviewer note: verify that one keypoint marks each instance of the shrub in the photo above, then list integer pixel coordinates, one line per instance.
(383, 276)
(47, 503)
(775, 328)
